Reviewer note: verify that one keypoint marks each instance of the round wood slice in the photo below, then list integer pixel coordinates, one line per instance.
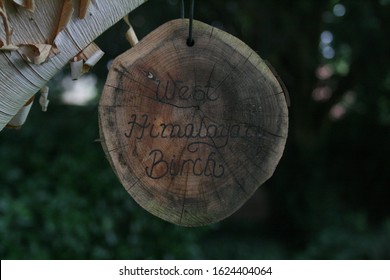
(192, 132)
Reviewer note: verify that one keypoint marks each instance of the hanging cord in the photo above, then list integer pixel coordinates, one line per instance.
(190, 40)
(182, 8)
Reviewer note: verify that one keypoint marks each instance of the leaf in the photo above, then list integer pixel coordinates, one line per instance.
(66, 14)
(27, 4)
(35, 53)
(84, 4)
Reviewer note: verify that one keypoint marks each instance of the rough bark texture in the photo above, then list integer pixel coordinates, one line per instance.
(192, 132)
(20, 79)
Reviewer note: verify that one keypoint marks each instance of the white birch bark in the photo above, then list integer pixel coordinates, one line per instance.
(19, 79)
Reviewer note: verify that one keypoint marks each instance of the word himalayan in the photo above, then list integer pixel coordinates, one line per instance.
(197, 133)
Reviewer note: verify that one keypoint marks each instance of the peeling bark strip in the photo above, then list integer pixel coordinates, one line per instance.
(20, 118)
(21, 79)
(85, 60)
(5, 45)
(130, 34)
(64, 18)
(37, 54)
(26, 4)
(84, 4)
(192, 132)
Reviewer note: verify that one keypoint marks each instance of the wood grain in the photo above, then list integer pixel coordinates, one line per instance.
(192, 132)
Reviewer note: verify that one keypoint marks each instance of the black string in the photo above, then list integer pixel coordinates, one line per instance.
(182, 8)
(190, 40)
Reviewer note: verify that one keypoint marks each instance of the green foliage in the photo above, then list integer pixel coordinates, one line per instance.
(60, 199)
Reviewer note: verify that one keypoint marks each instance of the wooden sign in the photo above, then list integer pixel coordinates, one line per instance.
(192, 131)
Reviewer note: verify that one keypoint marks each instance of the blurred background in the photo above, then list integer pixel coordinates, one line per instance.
(329, 196)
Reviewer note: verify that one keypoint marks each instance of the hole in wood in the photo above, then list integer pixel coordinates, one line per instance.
(190, 43)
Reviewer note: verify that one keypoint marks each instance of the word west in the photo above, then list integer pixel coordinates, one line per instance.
(177, 90)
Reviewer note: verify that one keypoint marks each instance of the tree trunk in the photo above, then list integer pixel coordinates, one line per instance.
(192, 131)
(61, 28)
